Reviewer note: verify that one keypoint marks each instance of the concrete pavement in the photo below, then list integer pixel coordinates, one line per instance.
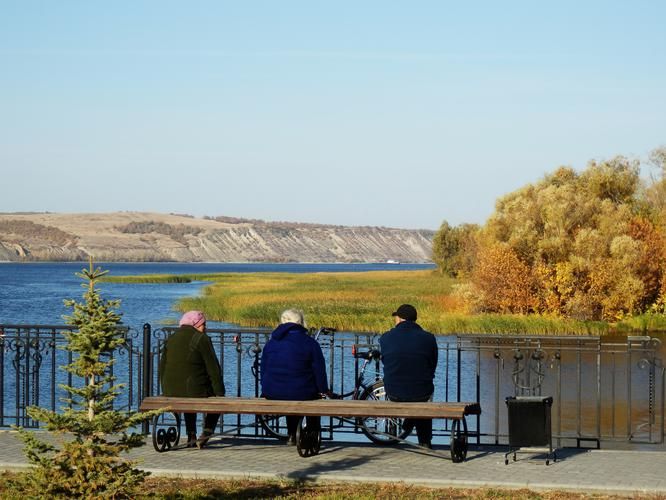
(595, 471)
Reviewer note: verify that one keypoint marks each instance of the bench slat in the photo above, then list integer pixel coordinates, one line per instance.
(323, 407)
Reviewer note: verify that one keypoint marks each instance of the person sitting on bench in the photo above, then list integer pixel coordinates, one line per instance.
(189, 368)
(293, 368)
(409, 355)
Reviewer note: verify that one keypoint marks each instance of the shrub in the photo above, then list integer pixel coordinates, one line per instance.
(504, 281)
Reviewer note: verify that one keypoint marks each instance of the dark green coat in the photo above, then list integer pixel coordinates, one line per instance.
(189, 367)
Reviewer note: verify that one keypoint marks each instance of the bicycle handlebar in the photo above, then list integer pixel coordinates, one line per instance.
(371, 354)
(323, 330)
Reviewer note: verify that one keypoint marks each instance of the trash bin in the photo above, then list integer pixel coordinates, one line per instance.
(529, 426)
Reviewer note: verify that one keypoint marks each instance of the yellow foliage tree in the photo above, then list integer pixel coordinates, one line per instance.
(504, 282)
(573, 244)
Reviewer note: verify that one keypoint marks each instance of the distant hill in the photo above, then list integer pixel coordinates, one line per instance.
(153, 237)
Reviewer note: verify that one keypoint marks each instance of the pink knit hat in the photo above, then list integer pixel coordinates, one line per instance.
(192, 318)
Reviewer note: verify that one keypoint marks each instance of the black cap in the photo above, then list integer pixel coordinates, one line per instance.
(406, 311)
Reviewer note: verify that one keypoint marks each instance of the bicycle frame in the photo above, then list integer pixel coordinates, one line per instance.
(360, 384)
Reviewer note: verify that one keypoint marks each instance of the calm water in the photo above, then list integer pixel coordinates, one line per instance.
(33, 293)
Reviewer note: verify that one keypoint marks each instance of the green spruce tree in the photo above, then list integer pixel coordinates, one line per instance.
(92, 435)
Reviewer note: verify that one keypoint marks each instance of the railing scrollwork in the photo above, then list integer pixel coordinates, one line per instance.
(602, 389)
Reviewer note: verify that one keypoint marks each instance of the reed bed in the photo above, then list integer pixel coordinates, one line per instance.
(644, 323)
(363, 302)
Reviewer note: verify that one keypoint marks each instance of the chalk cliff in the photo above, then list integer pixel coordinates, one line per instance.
(143, 237)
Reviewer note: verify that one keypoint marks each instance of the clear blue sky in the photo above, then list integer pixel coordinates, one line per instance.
(389, 113)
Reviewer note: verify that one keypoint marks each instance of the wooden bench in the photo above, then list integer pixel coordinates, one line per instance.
(308, 444)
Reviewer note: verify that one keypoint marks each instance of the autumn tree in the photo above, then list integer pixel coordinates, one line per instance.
(650, 265)
(454, 249)
(584, 243)
(656, 190)
(503, 281)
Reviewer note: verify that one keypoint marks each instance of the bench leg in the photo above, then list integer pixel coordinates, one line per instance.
(165, 436)
(459, 440)
(308, 441)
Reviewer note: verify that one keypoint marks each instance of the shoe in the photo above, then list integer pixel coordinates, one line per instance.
(203, 439)
(426, 445)
(291, 441)
(191, 440)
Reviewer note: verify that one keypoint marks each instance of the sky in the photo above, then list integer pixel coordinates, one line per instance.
(381, 113)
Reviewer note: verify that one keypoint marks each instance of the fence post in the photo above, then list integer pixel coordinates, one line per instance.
(146, 384)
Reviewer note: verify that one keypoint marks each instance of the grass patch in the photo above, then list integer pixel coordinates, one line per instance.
(362, 302)
(519, 324)
(644, 323)
(177, 488)
(347, 301)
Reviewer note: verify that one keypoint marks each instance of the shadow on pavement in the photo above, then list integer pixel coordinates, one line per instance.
(314, 470)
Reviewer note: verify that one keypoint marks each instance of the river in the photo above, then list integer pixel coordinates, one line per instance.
(33, 293)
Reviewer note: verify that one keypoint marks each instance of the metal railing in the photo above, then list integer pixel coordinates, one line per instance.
(603, 390)
(31, 358)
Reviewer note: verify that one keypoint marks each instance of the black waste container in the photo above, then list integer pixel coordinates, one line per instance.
(529, 426)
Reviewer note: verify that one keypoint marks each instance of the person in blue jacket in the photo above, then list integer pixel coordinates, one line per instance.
(409, 355)
(293, 367)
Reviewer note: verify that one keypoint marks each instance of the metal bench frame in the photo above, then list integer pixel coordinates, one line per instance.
(307, 443)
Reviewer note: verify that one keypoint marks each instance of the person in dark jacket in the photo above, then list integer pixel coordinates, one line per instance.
(293, 367)
(189, 368)
(409, 355)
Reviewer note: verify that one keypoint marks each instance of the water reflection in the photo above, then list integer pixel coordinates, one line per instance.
(603, 388)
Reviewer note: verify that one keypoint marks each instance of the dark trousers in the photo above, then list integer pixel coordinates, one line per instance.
(292, 421)
(313, 423)
(210, 421)
(423, 425)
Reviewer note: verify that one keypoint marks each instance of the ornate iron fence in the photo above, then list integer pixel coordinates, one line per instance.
(603, 390)
(31, 357)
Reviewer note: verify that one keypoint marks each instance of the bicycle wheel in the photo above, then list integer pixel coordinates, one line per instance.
(381, 430)
(274, 426)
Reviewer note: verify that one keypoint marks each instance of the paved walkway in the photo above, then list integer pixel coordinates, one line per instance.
(594, 471)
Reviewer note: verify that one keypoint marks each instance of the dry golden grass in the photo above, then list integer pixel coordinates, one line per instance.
(180, 488)
(363, 302)
(249, 489)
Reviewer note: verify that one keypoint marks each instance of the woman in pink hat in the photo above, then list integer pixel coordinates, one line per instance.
(190, 368)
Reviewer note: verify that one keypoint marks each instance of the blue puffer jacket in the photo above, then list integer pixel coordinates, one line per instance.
(292, 365)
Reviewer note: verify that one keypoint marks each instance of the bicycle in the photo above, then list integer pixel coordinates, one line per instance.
(379, 430)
